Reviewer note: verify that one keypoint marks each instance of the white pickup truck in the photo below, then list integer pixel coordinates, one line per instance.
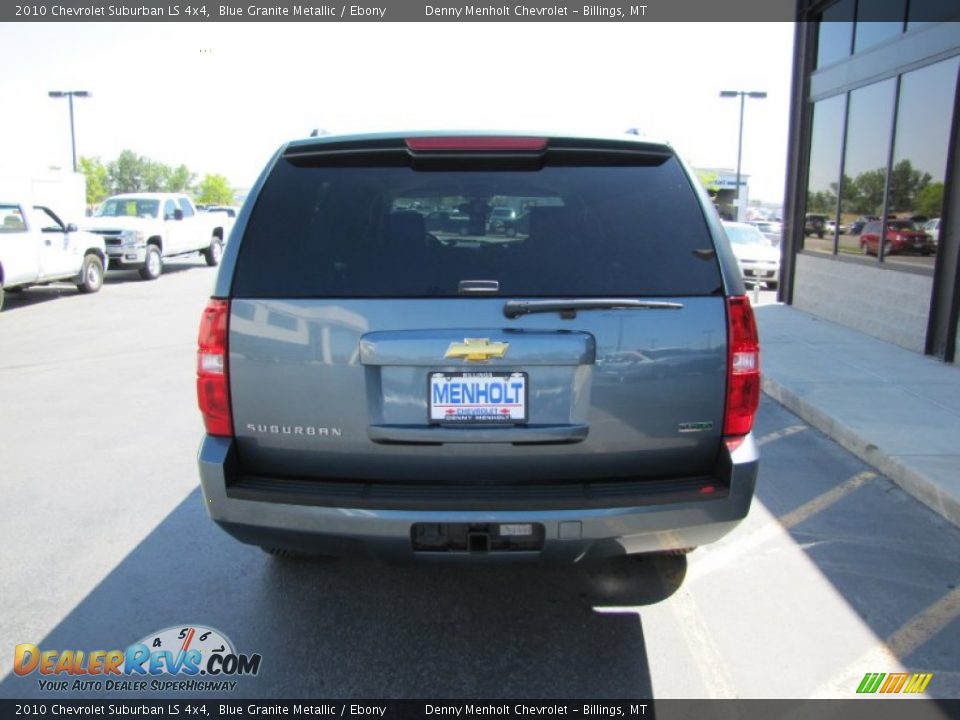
(141, 229)
(37, 247)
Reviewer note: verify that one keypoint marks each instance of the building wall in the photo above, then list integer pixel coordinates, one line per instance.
(875, 136)
(62, 191)
(885, 303)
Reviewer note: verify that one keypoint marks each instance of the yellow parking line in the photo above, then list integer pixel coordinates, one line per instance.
(786, 432)
(696, 633)
(924, 625)
(822, 502)
(722, 556)
(887, 655)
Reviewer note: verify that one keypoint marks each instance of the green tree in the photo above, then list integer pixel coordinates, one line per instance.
(823, 201)
(929, 200)
(905, 184)
(215, 190)
(869, 192)
(98, 179)
(180, 179)
(126, 173)
(155, 175)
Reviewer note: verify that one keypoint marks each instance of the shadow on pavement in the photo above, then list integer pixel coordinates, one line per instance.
(15, 298)
(892, 560)
(351, 629)
(113, 277)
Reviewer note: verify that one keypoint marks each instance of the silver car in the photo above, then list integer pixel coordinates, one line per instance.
(759, 260)
(583, 387)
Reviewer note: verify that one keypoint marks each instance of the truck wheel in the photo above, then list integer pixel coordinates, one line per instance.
(91, 275)
(213, 253)
(153, 265)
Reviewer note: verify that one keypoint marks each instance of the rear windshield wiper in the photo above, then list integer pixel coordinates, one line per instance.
(568, 308)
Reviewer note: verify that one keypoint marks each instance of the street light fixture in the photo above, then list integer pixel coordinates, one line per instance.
(743, 95)
(70, 95)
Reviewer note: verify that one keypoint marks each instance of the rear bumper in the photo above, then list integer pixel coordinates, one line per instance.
(655, 522)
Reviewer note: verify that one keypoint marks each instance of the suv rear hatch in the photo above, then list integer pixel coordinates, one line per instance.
(588, 344)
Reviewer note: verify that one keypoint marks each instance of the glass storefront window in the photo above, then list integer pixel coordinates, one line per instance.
(924, 118)
(835, 34)
(924, 12)
(869, 131)
(826, 138)
(878, 20)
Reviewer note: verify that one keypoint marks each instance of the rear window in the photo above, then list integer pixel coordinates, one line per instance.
(902, 225)
(560, 231)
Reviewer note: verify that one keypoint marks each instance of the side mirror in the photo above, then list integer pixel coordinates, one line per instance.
(178, 214)
(71, 227)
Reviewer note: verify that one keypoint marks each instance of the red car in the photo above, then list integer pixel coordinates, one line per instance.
(902, 236)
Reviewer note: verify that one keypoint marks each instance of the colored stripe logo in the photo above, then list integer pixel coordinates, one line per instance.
(887, 683)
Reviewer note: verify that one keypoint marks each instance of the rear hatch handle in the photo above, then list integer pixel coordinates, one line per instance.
(568, 308)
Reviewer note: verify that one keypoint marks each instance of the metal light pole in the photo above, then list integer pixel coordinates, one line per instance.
(743, 95)
(69, 95)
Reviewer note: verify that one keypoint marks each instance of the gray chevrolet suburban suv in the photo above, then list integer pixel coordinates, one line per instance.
(583, 387)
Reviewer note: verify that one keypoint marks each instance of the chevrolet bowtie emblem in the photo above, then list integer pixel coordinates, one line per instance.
(476, 349)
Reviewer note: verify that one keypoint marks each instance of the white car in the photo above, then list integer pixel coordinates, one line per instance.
(141, 229)
(229, 213)
(771, 230)
(37, 247)
(759, 261)
(932, 228)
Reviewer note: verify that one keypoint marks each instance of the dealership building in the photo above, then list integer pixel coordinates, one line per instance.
(875, 146)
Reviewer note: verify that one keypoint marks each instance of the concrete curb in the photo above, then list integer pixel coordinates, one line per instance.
(914, 482)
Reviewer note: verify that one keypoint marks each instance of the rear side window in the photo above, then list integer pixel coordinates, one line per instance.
(560, 231)
(11, 219)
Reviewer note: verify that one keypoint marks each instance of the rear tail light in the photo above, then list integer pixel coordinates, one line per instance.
(743, 368)
(213, 386)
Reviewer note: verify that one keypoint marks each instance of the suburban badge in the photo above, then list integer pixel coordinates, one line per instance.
(689, 427)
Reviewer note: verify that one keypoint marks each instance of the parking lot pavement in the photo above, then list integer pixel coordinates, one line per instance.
(895, 409)
(835, 572)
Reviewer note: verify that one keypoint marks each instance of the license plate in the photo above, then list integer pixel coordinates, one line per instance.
(478, 397)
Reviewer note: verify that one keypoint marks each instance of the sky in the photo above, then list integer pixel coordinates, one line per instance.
(222, 97)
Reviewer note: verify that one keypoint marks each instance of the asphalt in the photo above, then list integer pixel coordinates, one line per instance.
(895, 409)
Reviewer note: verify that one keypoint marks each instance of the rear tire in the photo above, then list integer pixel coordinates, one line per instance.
(91, 275)
(153, 264)
(213, 253)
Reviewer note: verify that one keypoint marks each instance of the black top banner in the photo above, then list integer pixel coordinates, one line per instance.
(397, 11)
